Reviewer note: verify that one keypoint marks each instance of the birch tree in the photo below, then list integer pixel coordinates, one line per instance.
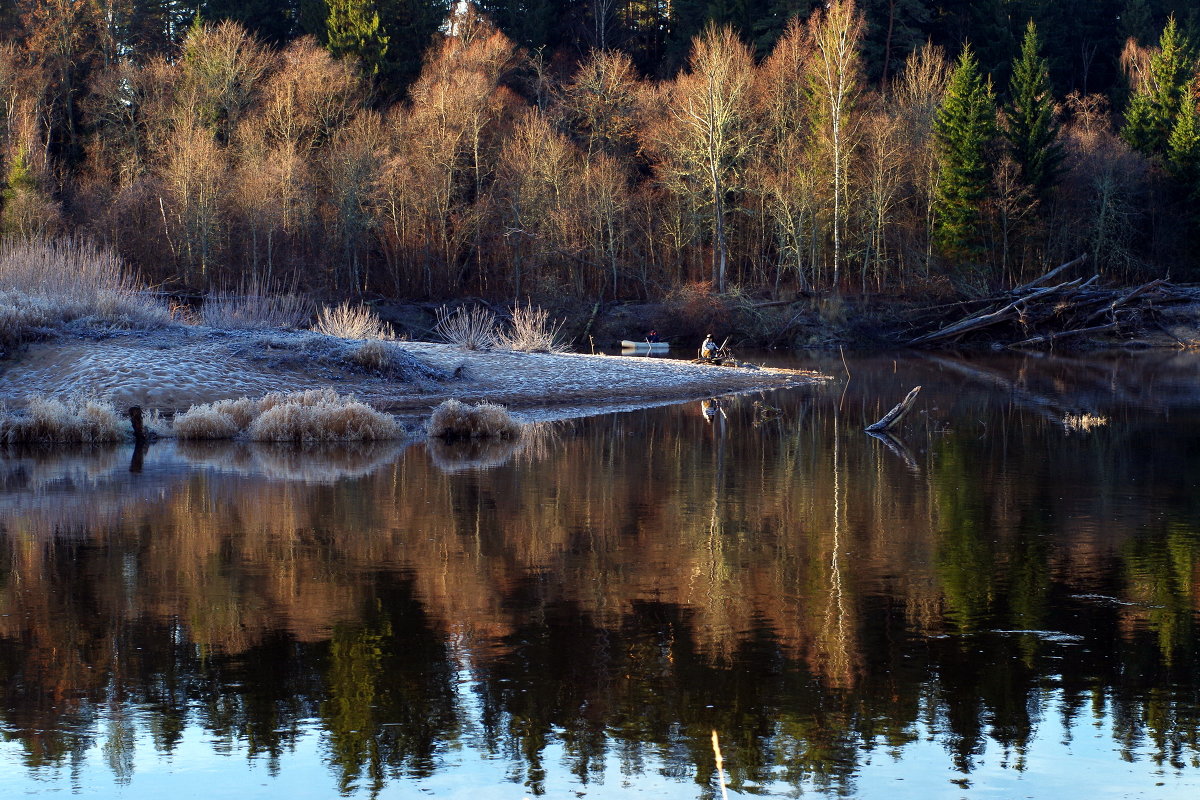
(836, 82)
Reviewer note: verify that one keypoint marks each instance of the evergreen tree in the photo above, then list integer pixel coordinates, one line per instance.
(1031, 124)
(1183, 148)
(20, 176)
(352, 28)
(964, 129)
(1154, 108)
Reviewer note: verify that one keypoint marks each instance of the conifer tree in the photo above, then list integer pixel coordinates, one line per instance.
(1031, 126)
(1183, 148)
(964, 129)
(352, 28)
(20, 176)
(1155, 104)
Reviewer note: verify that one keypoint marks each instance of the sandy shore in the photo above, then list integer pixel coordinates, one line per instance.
(174, 368)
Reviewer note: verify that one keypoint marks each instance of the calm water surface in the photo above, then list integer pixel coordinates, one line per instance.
(1001, 601)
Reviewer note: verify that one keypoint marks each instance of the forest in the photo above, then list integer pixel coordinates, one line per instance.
(565, 150)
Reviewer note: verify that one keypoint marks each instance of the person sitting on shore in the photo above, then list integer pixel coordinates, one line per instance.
(708, 350)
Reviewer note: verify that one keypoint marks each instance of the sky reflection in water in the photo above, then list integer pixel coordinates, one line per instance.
(1001, 601)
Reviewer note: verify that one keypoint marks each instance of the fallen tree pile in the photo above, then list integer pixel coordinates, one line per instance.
(1044, 312)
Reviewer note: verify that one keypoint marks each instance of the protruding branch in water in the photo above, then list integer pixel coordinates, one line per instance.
(894, 416)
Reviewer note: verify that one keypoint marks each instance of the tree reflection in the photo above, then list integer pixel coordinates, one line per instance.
(614, 595)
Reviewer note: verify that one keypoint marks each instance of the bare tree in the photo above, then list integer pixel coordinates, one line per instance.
(914, 99)
(836, 81)
(194, 176)
(707, 132)
(351, 171)
(221, 70)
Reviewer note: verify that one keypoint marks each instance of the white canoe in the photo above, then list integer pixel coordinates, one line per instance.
(653, 347)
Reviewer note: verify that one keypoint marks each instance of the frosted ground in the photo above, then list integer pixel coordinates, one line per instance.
(175, 367)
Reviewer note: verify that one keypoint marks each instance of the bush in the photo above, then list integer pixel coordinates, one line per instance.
(352, 322)
(46, 420)
(692, 310)
(318, 415)
(531, 331)
(455, 420)
(471, 329)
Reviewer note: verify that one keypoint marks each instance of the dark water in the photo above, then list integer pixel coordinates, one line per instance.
(1000, 602)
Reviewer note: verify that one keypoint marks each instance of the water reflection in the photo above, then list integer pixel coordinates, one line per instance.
(598, 598)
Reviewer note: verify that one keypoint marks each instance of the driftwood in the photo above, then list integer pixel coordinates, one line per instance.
(893, 417)
(1036, 314)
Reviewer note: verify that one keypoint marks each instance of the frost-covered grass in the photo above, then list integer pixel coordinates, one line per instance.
(352, 322)
(46, 420)
(319, 415)
(532, 331)
(456, 420)
(255, 307)
(45, 284)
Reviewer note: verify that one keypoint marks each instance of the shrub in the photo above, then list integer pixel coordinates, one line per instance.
(46, 420)
(693, 310)
(471, 329)
(455, 420)
(352, 322)
(531, 331)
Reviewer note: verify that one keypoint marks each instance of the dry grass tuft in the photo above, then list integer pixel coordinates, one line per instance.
(471, 328)
(373, 355)
(207, 422)
(255, 307)
(346, 420)
(531, 331)
(455, 420)
(49, 283)
(352, 322)
(46, 420)
(318, 415)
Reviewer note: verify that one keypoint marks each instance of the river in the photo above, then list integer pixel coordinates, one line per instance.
(1000, 601)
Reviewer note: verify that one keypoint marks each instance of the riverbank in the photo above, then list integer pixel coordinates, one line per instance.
(830, 322)
(171, 368)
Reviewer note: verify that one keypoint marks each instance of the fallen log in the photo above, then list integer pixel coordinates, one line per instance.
(977, 321)
(1120, 301)
(1046, 338)
(1025, 287)
(897, 413)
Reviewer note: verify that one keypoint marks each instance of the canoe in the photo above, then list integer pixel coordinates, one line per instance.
(653, 347)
